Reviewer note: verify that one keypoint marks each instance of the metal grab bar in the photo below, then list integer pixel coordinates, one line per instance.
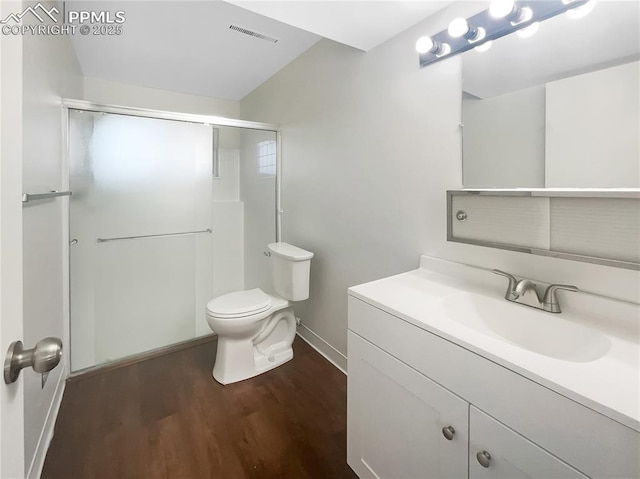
(43, 196)
(104, 240)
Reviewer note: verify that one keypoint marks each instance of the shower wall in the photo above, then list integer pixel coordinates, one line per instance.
(257, 190)
(228, 220)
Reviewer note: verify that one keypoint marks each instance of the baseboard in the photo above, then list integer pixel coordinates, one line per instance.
(37, 463)
(332, 355)
(136, 358)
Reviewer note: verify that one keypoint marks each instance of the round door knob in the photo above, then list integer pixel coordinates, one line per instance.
(448, 432)
(484, 458)
(42, 358)
(46, 355)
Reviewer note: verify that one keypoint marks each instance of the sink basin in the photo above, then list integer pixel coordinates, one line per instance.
(543, 333)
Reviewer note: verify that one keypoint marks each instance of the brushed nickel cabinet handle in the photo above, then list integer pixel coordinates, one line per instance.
(484, 458)
(448, 432)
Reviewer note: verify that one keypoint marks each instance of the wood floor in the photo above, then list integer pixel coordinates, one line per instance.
(167, 418)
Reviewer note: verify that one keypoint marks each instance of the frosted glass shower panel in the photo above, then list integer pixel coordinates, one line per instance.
(143, 176)
(142, 189)
(258, 168)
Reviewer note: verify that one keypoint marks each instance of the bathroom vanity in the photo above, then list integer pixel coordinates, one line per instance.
(449, 380)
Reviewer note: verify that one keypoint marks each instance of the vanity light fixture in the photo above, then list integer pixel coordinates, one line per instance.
(459, 27)
(511, 10)
(529, 31)
(427, 45)
(501, 18)
(484, 47)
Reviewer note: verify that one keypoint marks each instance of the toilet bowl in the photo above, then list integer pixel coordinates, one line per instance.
(256, 329)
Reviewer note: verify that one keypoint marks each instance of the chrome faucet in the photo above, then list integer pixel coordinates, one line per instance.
(526, 292)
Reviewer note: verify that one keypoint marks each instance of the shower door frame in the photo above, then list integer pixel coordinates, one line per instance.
(72, 104)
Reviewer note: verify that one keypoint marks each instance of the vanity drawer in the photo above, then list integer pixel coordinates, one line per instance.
(592, 443)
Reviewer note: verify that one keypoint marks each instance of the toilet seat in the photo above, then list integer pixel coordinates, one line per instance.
(239, 304)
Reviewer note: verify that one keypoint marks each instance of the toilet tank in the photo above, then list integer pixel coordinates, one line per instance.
(290, 267)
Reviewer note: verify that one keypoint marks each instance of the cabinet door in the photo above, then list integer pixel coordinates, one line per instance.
(396, 418)
(510, 455)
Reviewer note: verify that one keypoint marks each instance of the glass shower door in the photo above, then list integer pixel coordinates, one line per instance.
(141, 220)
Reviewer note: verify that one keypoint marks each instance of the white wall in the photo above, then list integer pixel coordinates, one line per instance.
(50, 71)
(370, 144)
(113, 93)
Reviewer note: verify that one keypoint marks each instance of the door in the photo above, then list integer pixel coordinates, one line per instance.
(400, 423)
(11, 396)
(497, 452)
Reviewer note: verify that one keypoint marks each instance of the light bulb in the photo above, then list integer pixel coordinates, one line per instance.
(484, 47)
(524, 15)
(480, 33)
(528, 31)
(582, 10)
(458, 27)
(424, 45)
(501, 8)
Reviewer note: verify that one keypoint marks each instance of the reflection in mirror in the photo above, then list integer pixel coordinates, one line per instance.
(558, 109)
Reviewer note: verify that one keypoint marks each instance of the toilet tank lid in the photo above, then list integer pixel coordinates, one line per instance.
(290, 252)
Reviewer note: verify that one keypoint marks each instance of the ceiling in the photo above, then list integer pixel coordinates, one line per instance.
(359, 24)
(188, 47)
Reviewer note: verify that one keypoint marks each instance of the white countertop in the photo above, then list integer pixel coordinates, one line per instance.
(609, 385)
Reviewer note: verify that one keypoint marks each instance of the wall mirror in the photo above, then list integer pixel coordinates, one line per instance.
(559, 108)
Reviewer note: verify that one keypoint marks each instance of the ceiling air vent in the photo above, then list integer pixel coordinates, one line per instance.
(253, 34)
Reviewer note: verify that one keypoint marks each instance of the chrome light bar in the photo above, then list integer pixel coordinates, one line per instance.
(490, 25)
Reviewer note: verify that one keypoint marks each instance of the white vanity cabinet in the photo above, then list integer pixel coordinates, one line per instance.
(405, 384)
(497, 452)
(402, 424)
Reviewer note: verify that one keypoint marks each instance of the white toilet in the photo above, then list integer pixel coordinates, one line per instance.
(255, 329)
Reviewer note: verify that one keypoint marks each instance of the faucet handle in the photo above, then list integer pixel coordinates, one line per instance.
(511, 290)
(550, 300)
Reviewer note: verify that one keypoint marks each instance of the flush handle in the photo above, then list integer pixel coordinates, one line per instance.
(42, 358)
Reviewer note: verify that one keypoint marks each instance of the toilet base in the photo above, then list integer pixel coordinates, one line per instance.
(264, 363)
(226, 373)
(240, 359)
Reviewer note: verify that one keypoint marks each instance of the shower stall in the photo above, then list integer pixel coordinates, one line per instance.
(167, 212)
